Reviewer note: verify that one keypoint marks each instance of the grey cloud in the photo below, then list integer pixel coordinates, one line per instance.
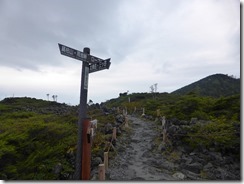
(180, 38)
(35, 27)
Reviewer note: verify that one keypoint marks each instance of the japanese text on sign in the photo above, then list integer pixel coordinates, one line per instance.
(104, 64)
(72, 53)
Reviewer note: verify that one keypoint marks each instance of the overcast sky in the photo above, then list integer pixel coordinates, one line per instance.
(169, 42)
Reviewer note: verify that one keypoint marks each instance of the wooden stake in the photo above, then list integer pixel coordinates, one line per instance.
(163, 122)
(106, 160)
(114, 134)
(101, 172)
(126, 122)
(158, 112)
(143, 111)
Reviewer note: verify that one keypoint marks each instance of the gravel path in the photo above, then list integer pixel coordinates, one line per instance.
(137, 161)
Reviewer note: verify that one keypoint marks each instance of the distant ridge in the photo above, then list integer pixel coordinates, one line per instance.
(216, 85)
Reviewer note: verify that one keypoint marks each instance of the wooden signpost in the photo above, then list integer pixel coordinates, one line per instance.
(90, 64)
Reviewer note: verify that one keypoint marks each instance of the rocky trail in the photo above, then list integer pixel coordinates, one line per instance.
(138, 161)
(142, 156)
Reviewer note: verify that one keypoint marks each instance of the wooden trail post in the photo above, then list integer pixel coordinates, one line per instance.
(90, 64)
(101, 172)
(163, 122)
(106, 160)
(134, 110)
(158, 112)
(164, 131)
(143, 111)
(126, 122)
(114, 133)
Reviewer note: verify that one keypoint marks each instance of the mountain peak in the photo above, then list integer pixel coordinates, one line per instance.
(216, 85)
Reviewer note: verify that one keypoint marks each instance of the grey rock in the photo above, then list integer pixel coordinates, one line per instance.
(208, 166)
(181, 149)
(57, 168)
(196, 158)
(162, 147)
(191, 175)
(146, 154)
(167, 165)
(195, 167)
(119, 132)
(96, 161)
(120, 118)
(172, 129)
(179, 175)
(228, 160)
(186, 160)
(188, 149)
(138, 179)
(220, 173)
(94, 174)
(108, 129)
(193, 121)
(175, 121)
(223, 174)
(184, 122)
(216, 157)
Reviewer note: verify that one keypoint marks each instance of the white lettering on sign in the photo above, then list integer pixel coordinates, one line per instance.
(73, 53)
(86, 77)
(99, 66)
(67, 50)
(81, 55)
(95, 59)
(63, 48)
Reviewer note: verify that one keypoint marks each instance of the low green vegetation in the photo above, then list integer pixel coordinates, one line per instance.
(32, 143)
(38, 138)
(222, 131)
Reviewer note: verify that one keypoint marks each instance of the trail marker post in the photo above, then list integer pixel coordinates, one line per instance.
(90, 64)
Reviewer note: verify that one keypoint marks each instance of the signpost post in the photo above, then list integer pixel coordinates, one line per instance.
(90, 64)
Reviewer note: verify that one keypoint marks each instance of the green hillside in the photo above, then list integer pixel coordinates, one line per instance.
(216, 85)
(38, 138)
(183, 107)
(34, 138)
(220, 114)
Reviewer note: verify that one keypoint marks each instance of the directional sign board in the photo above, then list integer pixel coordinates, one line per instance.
(76, 54)
(93, 59)
(104, 64)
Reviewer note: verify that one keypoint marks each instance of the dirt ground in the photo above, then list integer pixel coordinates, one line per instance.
(137, 161)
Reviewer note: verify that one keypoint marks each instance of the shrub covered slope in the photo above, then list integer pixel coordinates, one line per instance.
(38, 138)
